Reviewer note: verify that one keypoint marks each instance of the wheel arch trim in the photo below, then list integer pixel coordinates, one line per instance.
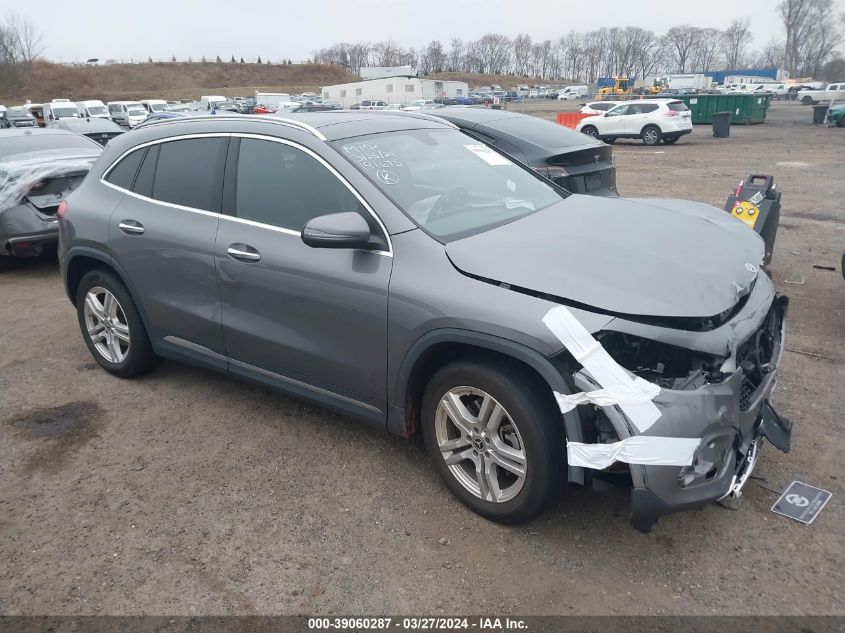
(78, 251)
(397, 414)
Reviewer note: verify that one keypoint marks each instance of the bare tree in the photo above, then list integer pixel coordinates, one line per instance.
(27, 37)
(432, 59)
(680, 42)
(706, 49)
(494, 52)
(735, 41)
(795, 14)
(455, 60)
(521, 54)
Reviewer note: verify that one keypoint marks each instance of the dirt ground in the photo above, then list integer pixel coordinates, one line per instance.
(186, 492)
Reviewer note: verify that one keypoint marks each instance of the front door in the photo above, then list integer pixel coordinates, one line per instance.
(614, 121)
(314, 318)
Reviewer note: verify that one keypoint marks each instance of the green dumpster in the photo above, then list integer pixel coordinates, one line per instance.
(744, 108)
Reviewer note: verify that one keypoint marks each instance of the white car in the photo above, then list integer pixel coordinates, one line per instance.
(598, 107)
(419, 104)
(572, 92)
(652, 120)
(833, 92)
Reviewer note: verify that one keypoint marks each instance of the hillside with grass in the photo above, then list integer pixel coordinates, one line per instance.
(44, 81)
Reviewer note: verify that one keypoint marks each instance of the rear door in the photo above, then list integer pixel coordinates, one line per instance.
(162, 234)
(313, 319)
(639, 115)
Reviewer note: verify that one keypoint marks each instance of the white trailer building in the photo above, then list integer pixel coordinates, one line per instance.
(401, 90)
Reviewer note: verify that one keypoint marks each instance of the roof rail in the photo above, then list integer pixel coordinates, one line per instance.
(269, 118)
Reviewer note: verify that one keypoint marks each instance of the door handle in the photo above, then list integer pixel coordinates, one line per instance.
(243, 253)
(131, 227)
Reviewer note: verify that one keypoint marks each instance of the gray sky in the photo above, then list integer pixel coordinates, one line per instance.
(87, 28)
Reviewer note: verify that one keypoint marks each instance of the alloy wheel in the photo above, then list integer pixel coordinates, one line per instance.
(106, 324)
(651, 137)
(480, 444)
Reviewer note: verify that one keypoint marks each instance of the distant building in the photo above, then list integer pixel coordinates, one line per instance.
(401, 90)
(381, 72)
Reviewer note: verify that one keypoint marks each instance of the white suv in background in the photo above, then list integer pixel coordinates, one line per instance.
(652, 120)
(572, 92)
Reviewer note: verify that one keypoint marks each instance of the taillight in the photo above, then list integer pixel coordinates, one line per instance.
(557, 172)
(672, 113)
(60, 212)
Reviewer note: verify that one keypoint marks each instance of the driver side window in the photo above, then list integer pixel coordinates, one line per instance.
(285, 187)
(621, 110)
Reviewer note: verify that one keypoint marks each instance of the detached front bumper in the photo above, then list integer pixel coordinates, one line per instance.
(731, 418)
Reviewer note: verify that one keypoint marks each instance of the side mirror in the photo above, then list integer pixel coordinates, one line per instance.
(337, 230)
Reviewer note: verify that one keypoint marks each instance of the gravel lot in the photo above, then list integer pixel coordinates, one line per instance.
(189, 493)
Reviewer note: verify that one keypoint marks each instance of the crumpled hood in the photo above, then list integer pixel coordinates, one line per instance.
(627, 256)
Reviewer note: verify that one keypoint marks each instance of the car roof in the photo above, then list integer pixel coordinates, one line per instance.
(521, 130)
(40, 131)
(86, 125)
(327, 125)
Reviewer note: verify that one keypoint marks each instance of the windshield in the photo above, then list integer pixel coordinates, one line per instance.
(97, 110)
(65, 112)
(136, 111)
(17, 112)
(158, 107)
(448, 183)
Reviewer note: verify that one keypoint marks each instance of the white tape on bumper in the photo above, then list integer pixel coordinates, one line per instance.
(640, 449)
(604, 398)
(618, 387)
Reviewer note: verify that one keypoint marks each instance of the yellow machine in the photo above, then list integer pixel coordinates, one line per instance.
(621, 88)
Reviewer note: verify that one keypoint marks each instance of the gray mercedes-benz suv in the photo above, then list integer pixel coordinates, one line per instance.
(392, 268)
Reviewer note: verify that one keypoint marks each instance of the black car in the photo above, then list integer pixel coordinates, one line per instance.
(97, 129)
(560, 154)
(17, 117)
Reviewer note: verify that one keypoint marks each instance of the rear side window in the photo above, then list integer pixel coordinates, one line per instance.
(123, 174)
(144, 180)
(190, 173)
(283, 186)
(645, 108)
(678, 106)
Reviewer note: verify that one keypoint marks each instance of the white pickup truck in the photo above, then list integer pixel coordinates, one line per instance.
(833, 92)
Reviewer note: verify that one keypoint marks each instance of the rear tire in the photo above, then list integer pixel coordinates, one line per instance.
(518, 427)
(651, 135)
(807, 101)
(590, 130)
(610, 140)
(112, 327)
(671, 140)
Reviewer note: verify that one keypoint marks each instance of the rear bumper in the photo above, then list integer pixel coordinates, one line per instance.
(25, 233)
(680, 132)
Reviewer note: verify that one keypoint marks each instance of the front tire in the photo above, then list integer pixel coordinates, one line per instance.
(651, 135)
(807, 101)
(112, 327)
(495, 438)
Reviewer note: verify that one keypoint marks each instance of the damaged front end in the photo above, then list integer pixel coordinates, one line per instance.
(31, 189)
(710, 389)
